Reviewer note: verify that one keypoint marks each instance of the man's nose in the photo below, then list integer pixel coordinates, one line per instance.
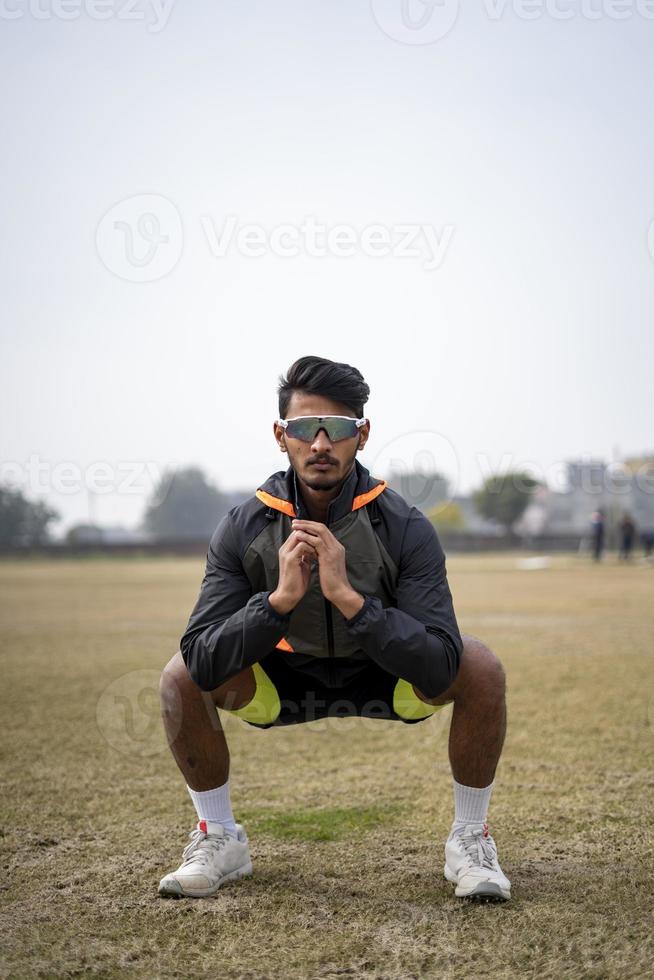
(321, 442)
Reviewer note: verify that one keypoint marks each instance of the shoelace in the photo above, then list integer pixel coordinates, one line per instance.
(479, 849)
(200, 847)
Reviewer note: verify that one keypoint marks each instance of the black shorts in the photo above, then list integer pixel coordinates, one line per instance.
(286, 695)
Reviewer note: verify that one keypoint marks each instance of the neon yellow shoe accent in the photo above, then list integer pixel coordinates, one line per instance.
(265, 706)
(408, 705)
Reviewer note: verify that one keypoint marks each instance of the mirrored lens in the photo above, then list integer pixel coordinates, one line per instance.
(307, 429)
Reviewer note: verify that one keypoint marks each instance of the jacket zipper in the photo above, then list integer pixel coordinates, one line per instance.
(330, 640)
(330, 629)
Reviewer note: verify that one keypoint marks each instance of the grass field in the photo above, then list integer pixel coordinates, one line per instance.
(346, 820)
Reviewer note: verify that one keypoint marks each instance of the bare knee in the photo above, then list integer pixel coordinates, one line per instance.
(480, 674)
(175, 681)
(480, 668)
(175, 671)
(177, 685)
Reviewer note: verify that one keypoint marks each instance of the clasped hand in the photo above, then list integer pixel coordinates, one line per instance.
(311, 541)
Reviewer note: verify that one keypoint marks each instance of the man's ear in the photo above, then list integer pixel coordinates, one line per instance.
(364, 432)
(279, 437)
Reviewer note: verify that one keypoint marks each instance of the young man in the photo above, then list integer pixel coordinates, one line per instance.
(328, 587)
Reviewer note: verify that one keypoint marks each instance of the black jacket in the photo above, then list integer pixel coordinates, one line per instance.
(407, 624)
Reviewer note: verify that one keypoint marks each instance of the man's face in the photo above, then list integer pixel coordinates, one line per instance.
(320, 464)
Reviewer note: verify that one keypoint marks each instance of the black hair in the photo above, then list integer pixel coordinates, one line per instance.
(332, 379)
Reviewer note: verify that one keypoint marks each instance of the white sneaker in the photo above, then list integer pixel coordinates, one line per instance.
(471, 864)
(212, 858)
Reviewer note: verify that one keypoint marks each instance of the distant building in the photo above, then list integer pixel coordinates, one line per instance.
(587, 476)
(568, 511)
(616, 488)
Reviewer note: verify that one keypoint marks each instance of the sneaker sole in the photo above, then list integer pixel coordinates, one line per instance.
(174, 888)
(488, 891)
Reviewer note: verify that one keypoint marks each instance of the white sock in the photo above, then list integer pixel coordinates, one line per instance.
(470, 804)
(214, 804)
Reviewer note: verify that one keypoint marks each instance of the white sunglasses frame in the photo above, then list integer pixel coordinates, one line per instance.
(297, 418)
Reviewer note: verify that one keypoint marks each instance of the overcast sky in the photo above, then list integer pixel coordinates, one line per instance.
(173, 178)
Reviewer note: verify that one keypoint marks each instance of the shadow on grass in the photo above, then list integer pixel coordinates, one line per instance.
(329, 824)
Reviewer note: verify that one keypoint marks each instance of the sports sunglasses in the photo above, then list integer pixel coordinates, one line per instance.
(306, 427)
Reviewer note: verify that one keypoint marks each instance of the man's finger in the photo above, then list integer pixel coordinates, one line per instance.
(302, 547)
(291, 541)
(313, 527)
(312, 539)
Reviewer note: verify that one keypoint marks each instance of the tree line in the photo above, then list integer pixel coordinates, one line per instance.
(186, 504)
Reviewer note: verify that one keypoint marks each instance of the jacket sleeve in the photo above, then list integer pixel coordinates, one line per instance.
(230, 627)
(419, 638)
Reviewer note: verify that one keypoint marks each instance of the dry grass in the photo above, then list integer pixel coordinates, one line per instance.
(346, 820)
